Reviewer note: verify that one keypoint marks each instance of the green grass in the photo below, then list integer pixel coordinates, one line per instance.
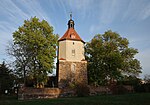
(127, 99)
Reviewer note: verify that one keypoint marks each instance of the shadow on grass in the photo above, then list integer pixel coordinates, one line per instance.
(127, 99)
(8, 97)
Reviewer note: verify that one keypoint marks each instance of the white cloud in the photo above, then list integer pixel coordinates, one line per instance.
(144, 58)
(83, 7)
(81, 4)
(19, 10)
(108, 11)
(9, 9)
(145, 13)
(13, 13)
(33, 8)
(6, 26)
(137, 10)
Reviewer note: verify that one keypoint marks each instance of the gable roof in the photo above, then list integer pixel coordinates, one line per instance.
(71, 34)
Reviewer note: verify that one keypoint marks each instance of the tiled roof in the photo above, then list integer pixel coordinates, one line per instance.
(71, 34)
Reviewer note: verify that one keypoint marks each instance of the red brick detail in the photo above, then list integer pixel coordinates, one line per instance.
(62, 59)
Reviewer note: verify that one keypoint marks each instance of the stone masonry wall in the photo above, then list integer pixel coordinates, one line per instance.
(38, 93)
(26, 93)
(66, 76)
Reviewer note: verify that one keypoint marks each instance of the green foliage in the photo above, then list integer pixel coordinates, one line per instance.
(129, 80)
(6, 78)
(110, 58)
(34, 47)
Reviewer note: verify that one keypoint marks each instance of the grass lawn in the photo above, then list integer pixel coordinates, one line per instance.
(127, 99)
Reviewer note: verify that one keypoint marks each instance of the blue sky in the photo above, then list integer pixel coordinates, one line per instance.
(130, 18)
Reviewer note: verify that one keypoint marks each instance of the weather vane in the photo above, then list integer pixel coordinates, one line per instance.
(70, 15)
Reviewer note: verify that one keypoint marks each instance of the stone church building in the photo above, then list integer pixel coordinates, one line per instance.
(71, 65)
(71, 68)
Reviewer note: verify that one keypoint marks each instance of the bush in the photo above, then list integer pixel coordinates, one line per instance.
(118, 89)
(82, 90)
(142, 88)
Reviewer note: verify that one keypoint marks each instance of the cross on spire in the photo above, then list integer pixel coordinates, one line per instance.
(70, 15)
(70, 22)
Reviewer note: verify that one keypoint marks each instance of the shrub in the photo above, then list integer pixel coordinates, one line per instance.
(118, 89)
(82, 90)
(142, 88)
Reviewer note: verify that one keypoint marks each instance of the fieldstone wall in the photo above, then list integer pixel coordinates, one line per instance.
(26, 93)
(67, 76)
(116, 89)
(99, 90)
(37, 93)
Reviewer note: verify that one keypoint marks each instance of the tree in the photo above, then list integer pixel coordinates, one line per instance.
(20, 62)
(34, 49)
(147, 78)
(109, 58)
(6, 78)
(130, 80)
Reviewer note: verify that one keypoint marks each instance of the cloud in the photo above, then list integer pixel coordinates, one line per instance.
(106, 13)
(137, 10)
(95, 29)
(6, 26)
(108, 10)
(81, 4)
(144, 59)
(19, 10)
(6, 29)
(145, 13)
(81, 7)
(4, 38)
(13, 13)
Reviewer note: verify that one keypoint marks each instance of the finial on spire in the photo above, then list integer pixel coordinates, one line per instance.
(70, 22)
(70, 15)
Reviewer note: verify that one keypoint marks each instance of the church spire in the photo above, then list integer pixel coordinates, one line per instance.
(70, 22)
(71, 34)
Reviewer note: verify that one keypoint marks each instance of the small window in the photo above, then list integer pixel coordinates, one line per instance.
(73, 52)
(72, 36)
(73, 43)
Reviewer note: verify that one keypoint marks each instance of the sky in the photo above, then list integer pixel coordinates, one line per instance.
(129, 18)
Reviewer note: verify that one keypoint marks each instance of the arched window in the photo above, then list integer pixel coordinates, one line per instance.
(71, 25)
(73, 68)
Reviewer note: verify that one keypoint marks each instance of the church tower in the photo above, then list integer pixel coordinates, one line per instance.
(72, 66)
